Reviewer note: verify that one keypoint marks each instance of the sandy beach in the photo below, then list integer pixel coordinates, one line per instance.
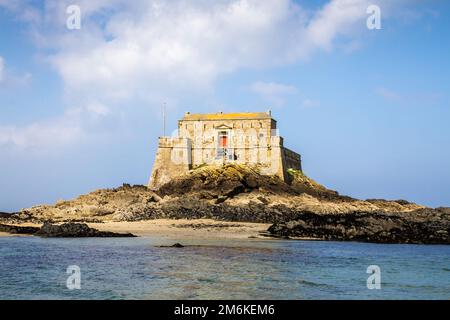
(182, 228)
(5, 234)
(198, 229)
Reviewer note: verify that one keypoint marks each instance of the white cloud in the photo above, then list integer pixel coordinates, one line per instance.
(170, 46)
(54, 133)
(98, 109)
(24, 10)
(8, 79)
(150, 49)
(154, 50)
(272, 92)
(338, 17)
(48, 134)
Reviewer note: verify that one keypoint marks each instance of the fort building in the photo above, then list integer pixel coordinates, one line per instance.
(220, 138)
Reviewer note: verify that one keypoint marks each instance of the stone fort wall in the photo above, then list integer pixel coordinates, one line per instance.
(251, 139)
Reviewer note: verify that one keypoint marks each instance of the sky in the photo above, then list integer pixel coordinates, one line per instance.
(80, 108)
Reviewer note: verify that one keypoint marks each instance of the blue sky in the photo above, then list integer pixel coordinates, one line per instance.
(368, 109)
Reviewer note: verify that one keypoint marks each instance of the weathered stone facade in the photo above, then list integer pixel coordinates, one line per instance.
(247, 138)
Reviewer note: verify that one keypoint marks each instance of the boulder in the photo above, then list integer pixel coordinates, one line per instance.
(18, 229)
(175, 245)
(75, 230)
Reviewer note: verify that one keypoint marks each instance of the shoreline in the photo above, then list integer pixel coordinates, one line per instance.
(176, 228)
(186, 228)
(237, 193)
(193, 229)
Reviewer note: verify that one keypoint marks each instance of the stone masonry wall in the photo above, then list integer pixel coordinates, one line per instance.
(172, 159)
(250, 141)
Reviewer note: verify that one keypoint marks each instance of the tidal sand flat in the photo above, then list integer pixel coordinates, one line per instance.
(181, 228)
(187, 229)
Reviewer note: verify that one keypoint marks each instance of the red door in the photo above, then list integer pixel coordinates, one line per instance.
(223, 143)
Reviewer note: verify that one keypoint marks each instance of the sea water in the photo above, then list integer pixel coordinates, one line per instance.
(138, 268)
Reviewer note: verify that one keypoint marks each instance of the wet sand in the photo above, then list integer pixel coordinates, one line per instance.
(198, 229)
(182, 228)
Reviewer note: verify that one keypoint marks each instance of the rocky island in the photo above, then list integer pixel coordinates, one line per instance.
(301, 209)
(225, 168)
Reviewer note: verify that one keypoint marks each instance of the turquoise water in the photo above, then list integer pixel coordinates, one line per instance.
(136, 268)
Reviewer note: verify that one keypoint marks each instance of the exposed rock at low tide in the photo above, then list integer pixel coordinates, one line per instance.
(430, 226)
(18, 229)
(239, 193)
(175, 245)
(75, 230)
(65, 230)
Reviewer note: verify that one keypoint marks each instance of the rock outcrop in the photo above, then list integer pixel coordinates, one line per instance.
(240, 193)
(430, 226)
(75, 230)
(18, 229)
(175, 245)
(231, 193)
(65, 230)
